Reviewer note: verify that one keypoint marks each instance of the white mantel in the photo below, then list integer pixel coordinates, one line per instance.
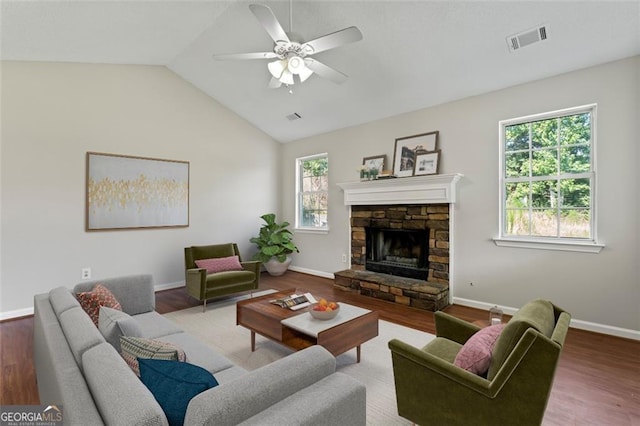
(432, 189)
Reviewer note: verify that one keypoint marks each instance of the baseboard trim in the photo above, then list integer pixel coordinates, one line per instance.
(168, 286)
(575, 323)
(312, 272)
(18, 313)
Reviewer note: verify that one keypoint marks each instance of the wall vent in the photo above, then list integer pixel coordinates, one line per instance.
(525, 38)
(293, 117)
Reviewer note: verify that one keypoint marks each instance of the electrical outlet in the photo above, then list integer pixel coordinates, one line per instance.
(344, 258)
(86, 273)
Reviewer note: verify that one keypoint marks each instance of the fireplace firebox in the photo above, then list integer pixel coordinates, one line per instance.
(400, 252)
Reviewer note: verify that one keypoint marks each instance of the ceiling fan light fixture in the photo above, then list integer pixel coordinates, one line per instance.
(286, 78)
(296, 64)
(276, 68)
(304, 74)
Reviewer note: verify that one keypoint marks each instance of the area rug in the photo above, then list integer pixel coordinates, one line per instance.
(374, 370)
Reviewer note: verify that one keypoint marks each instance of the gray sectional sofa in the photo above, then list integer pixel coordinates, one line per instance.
(78, 369)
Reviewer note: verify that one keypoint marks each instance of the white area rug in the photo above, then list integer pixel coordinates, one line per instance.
(217, 328)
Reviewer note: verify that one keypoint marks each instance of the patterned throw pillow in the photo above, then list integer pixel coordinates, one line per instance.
(220, 264)
(91, 301)
(132, 348)
(475, 355)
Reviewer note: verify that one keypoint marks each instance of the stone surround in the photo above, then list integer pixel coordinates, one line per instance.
(432, 294)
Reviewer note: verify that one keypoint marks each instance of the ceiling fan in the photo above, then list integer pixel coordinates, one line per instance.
(291, 54)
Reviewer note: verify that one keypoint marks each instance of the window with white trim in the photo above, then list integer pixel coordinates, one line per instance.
(312, 192)
(547, 177)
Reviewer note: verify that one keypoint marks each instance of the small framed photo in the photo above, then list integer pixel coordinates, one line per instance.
(427, 164)
(377, 162)
(406, 149)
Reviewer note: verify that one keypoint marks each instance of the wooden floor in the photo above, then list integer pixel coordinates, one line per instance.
(597, 381)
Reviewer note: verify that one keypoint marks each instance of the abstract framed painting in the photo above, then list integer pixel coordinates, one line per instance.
(127, 192)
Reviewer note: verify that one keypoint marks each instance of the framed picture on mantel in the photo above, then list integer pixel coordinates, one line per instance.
(427, 164)
(407, 148)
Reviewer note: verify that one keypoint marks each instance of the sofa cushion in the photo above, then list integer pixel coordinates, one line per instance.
(135, 293)
(62, 299)
(91, 301)
(134, 348)
(173, 384)
(198, 353)
(475, 354)
(120, 396)
(80, 332)
(113, 323)
(154, 325)
(220, 264)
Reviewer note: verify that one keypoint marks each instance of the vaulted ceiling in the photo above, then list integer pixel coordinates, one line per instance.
(414, 54)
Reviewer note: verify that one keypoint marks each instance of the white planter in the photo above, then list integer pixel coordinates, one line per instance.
(276, 268)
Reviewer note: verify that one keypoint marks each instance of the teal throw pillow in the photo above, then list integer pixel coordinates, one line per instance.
(173, 384)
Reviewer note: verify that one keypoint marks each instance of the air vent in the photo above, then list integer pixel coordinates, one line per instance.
(528, 37)
(293, 117)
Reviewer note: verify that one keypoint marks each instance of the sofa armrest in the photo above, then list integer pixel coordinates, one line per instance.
(453, 328)
(236, 401)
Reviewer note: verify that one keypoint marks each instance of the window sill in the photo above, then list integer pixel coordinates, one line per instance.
(311, 230)
(576, 246)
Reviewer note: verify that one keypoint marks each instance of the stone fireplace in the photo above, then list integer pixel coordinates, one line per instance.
(400, 240)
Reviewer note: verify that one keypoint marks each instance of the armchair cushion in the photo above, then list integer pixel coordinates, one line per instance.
(475, 355)
(220, 264)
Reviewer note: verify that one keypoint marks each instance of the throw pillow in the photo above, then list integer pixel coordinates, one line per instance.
(173, 384)
(475, 354)
(133, 349)
(220, 264)
(113, 323)
(92, 301)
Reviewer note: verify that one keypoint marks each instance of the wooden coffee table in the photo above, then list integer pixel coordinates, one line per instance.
(298, 330)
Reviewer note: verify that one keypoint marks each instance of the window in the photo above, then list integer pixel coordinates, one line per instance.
(547, 178)
(312, 189)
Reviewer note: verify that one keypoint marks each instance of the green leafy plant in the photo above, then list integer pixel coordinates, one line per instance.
(275, 240)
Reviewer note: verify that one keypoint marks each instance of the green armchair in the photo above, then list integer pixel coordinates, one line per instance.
(431, 390)
(203, 286)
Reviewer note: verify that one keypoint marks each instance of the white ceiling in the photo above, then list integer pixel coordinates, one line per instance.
(414, 54)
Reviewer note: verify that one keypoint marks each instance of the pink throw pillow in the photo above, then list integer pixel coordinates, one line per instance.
(220, 264)
(475, 354)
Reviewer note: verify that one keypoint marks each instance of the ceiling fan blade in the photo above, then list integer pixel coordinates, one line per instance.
(325, 71)
(333, 40)
(256, 55)
(269, 22)
(274, 83)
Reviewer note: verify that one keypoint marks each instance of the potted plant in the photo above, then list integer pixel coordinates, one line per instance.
(274, 245)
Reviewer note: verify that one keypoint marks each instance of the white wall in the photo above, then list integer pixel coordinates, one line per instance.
(53, 113)
(599, 288)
